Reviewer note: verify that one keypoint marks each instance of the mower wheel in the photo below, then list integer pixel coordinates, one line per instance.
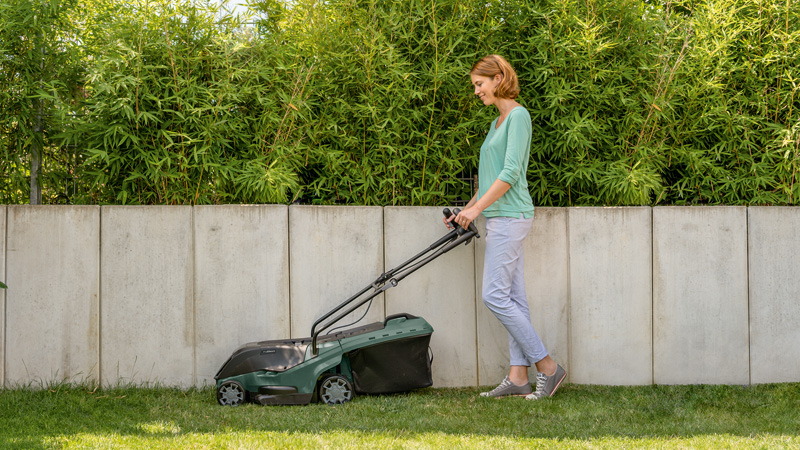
(335, 390)
(230, 393)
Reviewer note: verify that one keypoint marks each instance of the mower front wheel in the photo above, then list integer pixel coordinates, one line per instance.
(230, 393)
(335, 390)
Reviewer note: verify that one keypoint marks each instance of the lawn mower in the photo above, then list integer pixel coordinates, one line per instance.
(380, 358)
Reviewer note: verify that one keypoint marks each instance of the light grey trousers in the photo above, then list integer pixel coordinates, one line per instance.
(504, 287)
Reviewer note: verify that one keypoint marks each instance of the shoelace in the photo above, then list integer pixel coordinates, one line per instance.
(502, 386)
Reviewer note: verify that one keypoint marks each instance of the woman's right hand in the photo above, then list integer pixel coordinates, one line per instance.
(467, 216)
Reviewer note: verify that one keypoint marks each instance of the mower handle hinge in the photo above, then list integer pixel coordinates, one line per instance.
(392, 283)
(378, 284)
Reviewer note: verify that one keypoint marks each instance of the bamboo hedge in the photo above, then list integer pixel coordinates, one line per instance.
(368, 102)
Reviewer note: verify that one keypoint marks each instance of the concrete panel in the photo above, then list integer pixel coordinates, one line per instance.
(700, 329)
(335, 251)
(241, 280)
(610, 254)
(148, 309)
(443, 291)
(52, 304)
(774, 290)
(3, 212)
(546, 284)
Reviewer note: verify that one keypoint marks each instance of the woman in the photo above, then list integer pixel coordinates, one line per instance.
(504, 199)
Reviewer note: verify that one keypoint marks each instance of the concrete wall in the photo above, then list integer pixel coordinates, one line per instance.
(52, 306)
(241, 281)
(774, 290)
(619, 295)
(147, 329)
(700, 295)
(334, 252)
(610, 283)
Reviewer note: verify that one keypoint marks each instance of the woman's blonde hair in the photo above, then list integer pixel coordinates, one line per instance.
(492, 65)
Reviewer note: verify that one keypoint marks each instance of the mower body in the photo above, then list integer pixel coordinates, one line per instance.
(379, 358)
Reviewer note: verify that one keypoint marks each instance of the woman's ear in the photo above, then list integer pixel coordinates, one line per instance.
(498, 78)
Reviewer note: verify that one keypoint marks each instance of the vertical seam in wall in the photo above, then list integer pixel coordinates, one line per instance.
(570, 357)
(747, 280)
(100, 296)
(383, 241)
(289, 265)
(5, 300)
(194, 296)
(475, 297)
(652, 296)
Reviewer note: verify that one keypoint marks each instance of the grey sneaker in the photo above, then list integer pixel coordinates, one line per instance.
(507, 388)
(547, 386)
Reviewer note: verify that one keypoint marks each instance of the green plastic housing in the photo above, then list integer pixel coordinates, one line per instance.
(332, 357)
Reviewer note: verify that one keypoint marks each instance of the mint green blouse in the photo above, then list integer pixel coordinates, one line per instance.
(504, 155)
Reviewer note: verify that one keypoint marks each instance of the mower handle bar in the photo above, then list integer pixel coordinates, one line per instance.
(451, 240)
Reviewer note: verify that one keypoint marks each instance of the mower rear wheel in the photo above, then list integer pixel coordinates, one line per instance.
(230, 393)
(335, 390)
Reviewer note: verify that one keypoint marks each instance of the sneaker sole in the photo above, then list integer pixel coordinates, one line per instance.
(504, 396)
(509, 395)
(558, 385)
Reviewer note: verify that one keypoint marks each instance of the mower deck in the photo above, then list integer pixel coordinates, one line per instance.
(285, 372)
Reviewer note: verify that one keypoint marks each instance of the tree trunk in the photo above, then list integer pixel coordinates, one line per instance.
(38, 143)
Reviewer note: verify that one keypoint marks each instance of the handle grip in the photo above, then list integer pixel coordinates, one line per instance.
(447, 215)
(455, 212)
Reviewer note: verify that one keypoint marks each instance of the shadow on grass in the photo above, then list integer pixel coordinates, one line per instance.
(38, 419)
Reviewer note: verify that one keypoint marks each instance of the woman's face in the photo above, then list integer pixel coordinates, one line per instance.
(484, 87)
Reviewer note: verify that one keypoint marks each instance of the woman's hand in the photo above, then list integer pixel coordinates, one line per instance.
(447, 221)
(467, 216)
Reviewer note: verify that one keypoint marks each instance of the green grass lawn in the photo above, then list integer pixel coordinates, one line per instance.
(711, 417)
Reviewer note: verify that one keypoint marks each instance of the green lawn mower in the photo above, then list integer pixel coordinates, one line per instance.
(379, 358)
